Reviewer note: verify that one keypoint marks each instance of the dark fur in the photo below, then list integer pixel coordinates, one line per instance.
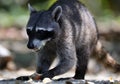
(75, 36)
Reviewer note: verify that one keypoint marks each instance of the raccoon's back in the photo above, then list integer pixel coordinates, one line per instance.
(79, 19)
(88, 35)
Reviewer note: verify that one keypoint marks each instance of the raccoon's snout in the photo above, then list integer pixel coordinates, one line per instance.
(30, 45)
(36, 44)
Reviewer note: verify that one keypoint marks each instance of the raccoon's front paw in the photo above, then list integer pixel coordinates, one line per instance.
(23, 78)
(36, 76)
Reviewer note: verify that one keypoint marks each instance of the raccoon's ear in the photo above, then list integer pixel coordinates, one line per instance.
(57, 12)
(31, 9)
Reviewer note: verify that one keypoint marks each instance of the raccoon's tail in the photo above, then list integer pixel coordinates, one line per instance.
(103, 57)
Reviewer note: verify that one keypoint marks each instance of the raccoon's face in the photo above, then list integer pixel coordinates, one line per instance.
(42, 27)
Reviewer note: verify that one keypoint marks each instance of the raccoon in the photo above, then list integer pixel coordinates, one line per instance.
(66, 30)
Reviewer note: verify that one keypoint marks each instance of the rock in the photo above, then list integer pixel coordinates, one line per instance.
(5, 58)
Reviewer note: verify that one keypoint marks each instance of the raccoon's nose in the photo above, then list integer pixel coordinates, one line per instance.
(30, 45)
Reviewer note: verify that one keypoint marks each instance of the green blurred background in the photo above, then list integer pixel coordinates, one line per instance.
(14, 15)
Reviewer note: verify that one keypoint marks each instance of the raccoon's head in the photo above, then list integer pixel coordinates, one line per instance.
(42, 27)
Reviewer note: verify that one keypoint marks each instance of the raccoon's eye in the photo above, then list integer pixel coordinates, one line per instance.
(44, 34)
(28, 31)
(41, 31)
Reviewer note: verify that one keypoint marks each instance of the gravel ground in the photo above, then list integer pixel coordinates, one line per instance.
(8, 77)
(12, 81)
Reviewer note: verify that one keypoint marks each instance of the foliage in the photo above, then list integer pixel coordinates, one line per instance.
(16, 17)
(15, 13)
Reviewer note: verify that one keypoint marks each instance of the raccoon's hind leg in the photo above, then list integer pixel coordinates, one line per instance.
(82, 62)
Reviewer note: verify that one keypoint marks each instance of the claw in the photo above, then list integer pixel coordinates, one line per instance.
(36, 76)
(23, 78)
